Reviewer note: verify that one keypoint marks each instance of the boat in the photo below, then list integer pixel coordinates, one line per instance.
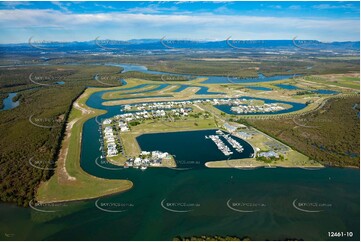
(206, 137)
(143, 168)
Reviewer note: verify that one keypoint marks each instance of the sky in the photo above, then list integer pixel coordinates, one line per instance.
(85, 21)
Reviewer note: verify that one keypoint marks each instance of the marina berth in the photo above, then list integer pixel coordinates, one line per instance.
(234, 143)
(221, 145)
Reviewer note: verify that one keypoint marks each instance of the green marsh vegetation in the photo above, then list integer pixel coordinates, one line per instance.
(21, 142)
(330, 136)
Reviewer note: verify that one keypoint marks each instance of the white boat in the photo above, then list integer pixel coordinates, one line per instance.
(143, 168)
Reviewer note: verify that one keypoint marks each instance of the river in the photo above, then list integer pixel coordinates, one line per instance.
(275, 204)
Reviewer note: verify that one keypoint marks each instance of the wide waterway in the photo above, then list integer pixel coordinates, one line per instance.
(263, 203)
(210, 79)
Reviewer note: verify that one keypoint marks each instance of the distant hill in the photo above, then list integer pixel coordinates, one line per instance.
(172, 44)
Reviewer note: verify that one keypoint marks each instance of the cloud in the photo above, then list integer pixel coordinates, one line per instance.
(294, 7)
(276, 6)
(63, 6)
(223, 10)
(201, 26)
(338, 6)
(14, 5)
(152, 9)
(104, 6)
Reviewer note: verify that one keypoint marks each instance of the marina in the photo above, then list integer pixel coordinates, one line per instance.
(180, 121)
(200, 147)
(222, 146)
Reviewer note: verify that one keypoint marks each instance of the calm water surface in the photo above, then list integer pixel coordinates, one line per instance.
(8, 102)
(214, 198)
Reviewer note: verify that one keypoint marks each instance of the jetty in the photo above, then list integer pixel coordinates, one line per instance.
(221, 145)
(235, 144)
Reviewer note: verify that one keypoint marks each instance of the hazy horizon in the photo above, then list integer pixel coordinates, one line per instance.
(215, 21)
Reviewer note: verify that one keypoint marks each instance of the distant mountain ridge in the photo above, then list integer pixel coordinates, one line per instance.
(164, 43)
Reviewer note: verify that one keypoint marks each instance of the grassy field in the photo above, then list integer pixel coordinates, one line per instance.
(48, 106)
(292, 158)
(329, 135)
(20, 140)
(70, 182)
(131, 146)
(295, 159)
(351, 81)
